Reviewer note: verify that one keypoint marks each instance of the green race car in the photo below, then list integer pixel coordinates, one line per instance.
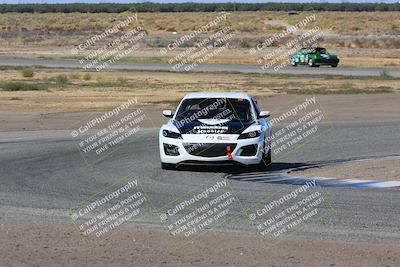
(313, 57)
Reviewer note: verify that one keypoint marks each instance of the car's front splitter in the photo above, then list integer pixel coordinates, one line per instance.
(234, 157)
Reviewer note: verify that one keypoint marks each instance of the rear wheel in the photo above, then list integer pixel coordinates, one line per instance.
(334, 65)
(168, 166)
(293, 62)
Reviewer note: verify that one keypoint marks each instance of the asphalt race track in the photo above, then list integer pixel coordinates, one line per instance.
(43, 175)
(209, 68)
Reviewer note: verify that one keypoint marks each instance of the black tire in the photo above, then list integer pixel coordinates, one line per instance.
(293, 62)
(266, 159)
(312, 64)
(168, 166)
(334, 65)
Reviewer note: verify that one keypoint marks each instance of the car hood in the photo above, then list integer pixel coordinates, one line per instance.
(211, 127)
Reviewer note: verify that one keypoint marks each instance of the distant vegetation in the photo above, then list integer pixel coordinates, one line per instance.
(22, 86)
(194, 7)
(344, 29)
(28, 72)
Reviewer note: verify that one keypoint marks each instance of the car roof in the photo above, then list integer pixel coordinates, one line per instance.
(217, 95)
(319, 47)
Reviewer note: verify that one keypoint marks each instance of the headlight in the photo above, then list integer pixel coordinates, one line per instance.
(170, 134)
(250, 135)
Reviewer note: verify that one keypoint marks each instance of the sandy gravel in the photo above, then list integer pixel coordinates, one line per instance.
(32, 244)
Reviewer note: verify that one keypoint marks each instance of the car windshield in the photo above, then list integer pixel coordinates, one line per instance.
(319, 50)
(215, 108)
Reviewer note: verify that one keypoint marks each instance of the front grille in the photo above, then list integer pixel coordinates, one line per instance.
(207, 149)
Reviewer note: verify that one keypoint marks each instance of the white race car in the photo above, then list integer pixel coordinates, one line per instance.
(216, 129)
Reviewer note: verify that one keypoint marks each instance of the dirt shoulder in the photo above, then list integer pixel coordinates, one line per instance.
(30, 244)
(76, 90)
(338, 108)
(386, 169)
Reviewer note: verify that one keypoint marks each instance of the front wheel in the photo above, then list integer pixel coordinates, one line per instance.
(311, 63)
(334, 65)
(266, 159)
(293, 62)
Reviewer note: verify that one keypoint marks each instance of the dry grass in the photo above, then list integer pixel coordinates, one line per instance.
(242, 22)
(57, 29)
(108, 89)
(363, 39)
(345, 23)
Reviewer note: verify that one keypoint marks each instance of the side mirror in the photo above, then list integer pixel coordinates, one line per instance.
(168, 113)
(264, 114)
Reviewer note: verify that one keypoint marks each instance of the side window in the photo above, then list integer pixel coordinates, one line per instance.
(256, 107)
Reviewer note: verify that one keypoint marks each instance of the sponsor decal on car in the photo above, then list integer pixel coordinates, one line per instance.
(209, 129)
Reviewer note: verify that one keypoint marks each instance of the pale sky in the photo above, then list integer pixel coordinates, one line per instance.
(182, 1)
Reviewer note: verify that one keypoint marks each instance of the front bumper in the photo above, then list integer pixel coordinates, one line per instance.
(201, 150)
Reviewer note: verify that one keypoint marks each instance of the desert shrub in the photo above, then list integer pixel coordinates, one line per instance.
(87, 77)
(21, 86)
(28, 72)
(74, 76)
(61, 80)
(121, 80)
